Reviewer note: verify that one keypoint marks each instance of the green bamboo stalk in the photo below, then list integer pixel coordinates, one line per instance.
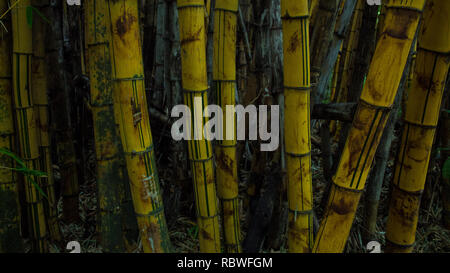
(10, 240)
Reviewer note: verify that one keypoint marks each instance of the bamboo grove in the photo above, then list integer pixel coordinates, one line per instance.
(356, 96)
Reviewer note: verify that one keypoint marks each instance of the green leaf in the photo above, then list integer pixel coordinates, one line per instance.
(13, 156)
(37, 187)
(446, 169)
(30, 16)
(26, 171)
(41, 15)
(30, 10)
(193, 232)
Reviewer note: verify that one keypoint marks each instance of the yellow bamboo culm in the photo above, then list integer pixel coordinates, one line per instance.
(26, 122)
(10, 239)
(107, 140)
(224, 75)
(195, 88)
(376, 100)
(297, 86)
(208, 7)
(420, 121)
(130, 105)
(313, 5)
(40, 97)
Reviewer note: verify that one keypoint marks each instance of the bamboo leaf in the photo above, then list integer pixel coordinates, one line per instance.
(193, 232)
(13, 156)
(41, 15)
(30, 10)
(37, 187)
(26, 171)
(30, 16)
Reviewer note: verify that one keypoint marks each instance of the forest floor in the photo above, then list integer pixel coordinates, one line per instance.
(431, 236)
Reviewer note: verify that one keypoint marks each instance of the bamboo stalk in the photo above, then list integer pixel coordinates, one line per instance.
(295, 16)
(26, 122)
(243, 24)
(420, 122)
(75, 86)
(210, 6)
(71, 189)
(313, 7)
(10, 240)
(322, 34)
(377, 97)
(149, 26)
(224, 76)
(130, 106)
(364, 53)
(279, 221)
(336, 72)
(178, 155)
(195, 87)
(376, 179)
(327, 65)
(107, 140)
(175, 71)
(243, 55)
(40, 97)
(377, 174)
(349, 51)
(160, 49)
(61, 125)
(130, 230)
(334, 91)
